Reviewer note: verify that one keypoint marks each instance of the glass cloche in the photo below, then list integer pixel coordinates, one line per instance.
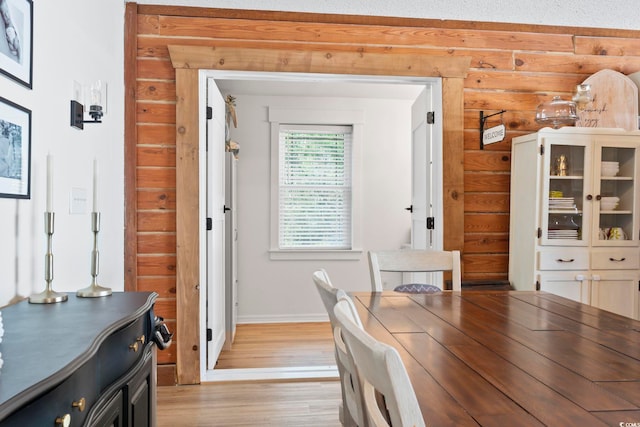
(556, 113)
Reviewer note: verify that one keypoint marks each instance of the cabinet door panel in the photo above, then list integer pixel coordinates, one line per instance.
(616, 292)
(140, 406)
(111, 415)
(573, 285)
(614, 188)
(139, 395)
(566, 177)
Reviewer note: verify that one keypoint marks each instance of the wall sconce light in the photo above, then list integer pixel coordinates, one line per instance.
(97, 100)
(582, 96)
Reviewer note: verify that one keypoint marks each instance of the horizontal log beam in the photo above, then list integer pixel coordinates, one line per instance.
(292, 61)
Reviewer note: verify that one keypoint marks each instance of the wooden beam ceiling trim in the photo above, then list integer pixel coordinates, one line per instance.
(294, 61)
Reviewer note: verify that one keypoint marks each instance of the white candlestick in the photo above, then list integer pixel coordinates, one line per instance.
(49, 183)
(95, 185)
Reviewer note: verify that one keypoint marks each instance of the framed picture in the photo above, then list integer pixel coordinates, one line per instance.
(16, 40)
(15, 150)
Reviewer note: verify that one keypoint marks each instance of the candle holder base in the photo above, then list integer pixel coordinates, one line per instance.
(94, 291)
(48, 297)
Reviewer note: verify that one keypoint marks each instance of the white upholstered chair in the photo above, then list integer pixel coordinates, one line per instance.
(382, 372)
(351, 411)
(414, 261)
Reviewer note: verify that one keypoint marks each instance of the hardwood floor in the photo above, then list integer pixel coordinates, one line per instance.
(304, 404)
(278, 403)
(278, 345)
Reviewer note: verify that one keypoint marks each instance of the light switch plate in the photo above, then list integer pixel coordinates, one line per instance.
(78, 201)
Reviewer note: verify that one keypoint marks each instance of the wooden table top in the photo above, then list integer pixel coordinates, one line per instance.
(511, 358)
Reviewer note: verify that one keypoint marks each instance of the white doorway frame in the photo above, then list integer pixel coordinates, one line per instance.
(437, 196)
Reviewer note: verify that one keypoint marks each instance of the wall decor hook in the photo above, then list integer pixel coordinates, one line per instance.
(499, 131)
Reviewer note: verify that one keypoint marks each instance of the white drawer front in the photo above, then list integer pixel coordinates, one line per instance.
(615, 259)
(563, 259)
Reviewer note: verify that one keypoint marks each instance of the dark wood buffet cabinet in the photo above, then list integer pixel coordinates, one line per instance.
(83, 362)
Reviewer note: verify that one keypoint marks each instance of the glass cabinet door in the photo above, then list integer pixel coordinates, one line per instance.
(614, 194)
(565, 217)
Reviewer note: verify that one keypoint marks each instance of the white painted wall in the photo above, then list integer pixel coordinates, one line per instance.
(83, 41)
(283, 290)
(581, 13)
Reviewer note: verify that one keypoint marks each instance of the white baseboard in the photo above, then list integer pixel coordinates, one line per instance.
(285, 373)
(285, 318)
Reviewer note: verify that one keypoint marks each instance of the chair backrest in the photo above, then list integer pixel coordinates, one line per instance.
(381, 371)
(414, 261)
(328, 293)
(352, 398)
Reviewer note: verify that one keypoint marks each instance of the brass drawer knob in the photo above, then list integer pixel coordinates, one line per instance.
(141, 339)
(63, 421)
(80, 404)
(134, 346)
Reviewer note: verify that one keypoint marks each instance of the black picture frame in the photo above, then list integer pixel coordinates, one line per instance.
(15, 150)
(16, 40)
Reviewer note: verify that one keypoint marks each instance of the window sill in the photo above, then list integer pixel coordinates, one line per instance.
(313, 255)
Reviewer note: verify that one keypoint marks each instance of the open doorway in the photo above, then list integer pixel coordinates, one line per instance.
(260, 296)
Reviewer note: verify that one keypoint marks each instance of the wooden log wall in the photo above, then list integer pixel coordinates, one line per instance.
(513, 68)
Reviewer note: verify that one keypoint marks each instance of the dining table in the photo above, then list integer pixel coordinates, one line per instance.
(511, 358)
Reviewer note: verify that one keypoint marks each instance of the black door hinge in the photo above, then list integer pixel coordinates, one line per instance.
(431, 117)
(539, 232)
(431, 223)
(209, 224)
(537, 285)
(542, 150)
(209, 334)
(209, 113)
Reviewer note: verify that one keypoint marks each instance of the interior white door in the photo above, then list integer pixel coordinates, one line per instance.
(422, 171)
(216, 235)
(231, 250)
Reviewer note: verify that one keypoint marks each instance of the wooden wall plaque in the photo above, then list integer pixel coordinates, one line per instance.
(614, 102)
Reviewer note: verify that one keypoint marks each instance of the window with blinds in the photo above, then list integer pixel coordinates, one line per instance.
(315, 187)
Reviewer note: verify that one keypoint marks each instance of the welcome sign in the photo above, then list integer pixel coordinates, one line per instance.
(493, 135)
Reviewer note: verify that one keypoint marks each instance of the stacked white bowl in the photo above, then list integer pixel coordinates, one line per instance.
(609, 203)
(609, 168)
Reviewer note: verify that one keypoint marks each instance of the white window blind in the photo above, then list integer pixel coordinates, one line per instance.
(315, 187)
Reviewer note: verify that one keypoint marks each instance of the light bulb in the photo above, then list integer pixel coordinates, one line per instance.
(97, 99)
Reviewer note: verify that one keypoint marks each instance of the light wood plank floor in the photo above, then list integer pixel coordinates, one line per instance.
(304, 404)
(294, 403)
(278, 345)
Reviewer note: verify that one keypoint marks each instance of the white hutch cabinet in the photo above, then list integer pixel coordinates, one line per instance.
(574, 224)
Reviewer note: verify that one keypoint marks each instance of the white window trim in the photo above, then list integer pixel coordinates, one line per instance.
(353, 118)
